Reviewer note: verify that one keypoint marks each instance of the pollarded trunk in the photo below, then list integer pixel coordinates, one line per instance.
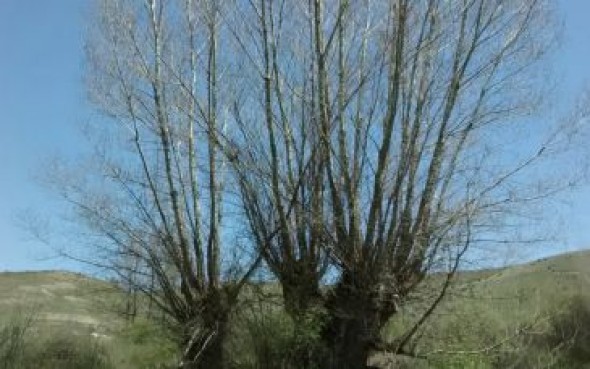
(358, 309)
(208, 351)
(347, 349)
(214, 356)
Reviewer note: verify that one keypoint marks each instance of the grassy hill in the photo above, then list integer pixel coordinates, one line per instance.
(57, 298)
(482, 309)
(70, 307)
(517, 305)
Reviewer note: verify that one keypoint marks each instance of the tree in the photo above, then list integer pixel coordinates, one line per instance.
(372, 132)
(155, 191)
(362, 137)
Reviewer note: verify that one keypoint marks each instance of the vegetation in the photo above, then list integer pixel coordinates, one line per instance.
(477, 328)
(20, 349)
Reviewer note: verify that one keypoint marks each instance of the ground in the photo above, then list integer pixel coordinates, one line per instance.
(483, 307)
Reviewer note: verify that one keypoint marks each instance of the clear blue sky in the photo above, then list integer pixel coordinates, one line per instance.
(42, 102)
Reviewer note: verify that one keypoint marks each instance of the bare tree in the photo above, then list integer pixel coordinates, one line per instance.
(156, 191)
(368, 141)
(379, 134)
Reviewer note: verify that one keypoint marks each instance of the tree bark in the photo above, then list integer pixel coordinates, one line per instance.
(214, 355)
(208, 351)
(347, 351)
(301, 290)
(358, 311)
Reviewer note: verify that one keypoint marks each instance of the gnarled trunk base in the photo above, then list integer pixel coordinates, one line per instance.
(348, 349)
(358, 309)
(206, 352)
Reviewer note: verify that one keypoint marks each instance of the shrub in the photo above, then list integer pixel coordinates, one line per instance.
(564, 344)
(70, 352)
(265, 337)
(570, 330)
(18, 350)
(148, 345)
(12, 342)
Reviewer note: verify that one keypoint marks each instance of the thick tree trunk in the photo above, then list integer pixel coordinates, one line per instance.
(207, 352)
(347, 348)
(214, 355)
(357, 313)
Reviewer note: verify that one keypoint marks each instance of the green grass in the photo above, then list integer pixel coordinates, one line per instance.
(482, 309)
(486, 308)
(72, 306)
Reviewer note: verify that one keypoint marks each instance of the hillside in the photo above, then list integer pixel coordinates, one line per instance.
(78, 307)
(491, 306)
(481, 307)
(57, 298)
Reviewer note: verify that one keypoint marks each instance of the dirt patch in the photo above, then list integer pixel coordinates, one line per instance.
(77, 318)
(75, 299)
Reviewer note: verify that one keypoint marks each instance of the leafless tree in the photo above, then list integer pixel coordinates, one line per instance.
(370, 142)
(382, 136)
(155, 197)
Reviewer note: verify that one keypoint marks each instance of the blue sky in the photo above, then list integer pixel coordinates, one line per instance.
(42, 104)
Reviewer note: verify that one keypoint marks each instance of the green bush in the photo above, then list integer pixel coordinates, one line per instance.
(19, 350)
(69, 352)
(563, 344)
(147, 346)
(570, 330)
(265, 337)
(12, 343)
